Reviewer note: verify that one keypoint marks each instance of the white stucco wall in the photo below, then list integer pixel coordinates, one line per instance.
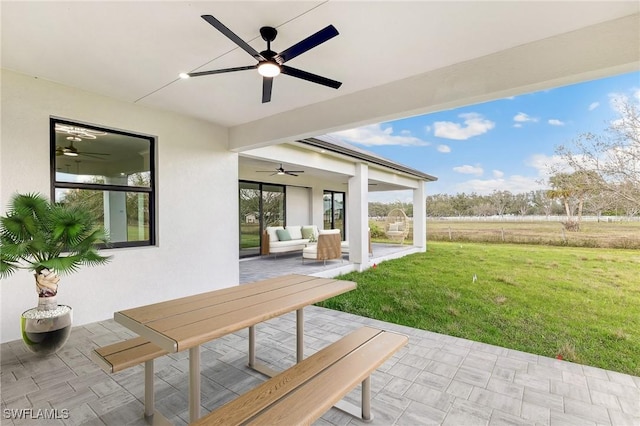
(298, 205)
(197, 184)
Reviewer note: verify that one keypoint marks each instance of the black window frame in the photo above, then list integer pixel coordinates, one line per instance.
(344, 211)
(261, 212)
(150, 190)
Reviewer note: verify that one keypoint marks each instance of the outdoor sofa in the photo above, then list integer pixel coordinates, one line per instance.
(280, 239)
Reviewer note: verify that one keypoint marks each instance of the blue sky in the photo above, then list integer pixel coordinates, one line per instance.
(504, 144)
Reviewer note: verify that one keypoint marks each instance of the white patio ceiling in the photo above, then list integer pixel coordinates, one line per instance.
(394, 58)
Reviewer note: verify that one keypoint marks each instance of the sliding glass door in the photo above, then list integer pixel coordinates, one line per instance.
(261, 205)
(334, 211)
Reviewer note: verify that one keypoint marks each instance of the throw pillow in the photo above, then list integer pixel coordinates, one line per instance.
(307, 232)
(283, 235)
(295, 232)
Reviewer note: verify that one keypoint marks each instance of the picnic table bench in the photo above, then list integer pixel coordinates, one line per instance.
(122, 355)
(304, 392)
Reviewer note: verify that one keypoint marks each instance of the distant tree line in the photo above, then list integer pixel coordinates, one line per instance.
(500, 203)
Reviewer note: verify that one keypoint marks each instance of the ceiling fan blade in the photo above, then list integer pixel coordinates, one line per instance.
(233, 37)
(308, 43)
(290, 174)
(267, 85)
(220, 71)
(96, 157)
(294, 72)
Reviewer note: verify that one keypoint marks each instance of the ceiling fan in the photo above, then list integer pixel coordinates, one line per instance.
(72, 151)
(270, 64)
(281, 171)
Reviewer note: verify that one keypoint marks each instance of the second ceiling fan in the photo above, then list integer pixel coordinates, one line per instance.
(270, 64)
(281, 171)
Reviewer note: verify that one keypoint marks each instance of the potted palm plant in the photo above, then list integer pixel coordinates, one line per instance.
(48, 239)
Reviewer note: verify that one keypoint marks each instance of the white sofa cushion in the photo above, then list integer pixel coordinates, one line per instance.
(289, 243)
(295, 232)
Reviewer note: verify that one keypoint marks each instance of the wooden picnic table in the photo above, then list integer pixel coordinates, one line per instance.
(186, 323)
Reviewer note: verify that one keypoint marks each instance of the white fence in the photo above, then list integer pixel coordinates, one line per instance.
(514, 218)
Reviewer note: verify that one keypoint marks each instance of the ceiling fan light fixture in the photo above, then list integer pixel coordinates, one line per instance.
(70, 153)
(269, 69)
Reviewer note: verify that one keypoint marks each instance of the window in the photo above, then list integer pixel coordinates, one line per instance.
(110, 171)
(334, 211)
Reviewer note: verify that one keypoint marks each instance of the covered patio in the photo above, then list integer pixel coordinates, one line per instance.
(114, 66)
(257, 268)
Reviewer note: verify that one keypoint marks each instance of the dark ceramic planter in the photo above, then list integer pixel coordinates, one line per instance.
(45, 329)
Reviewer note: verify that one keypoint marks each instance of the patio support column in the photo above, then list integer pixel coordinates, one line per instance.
(317, 206)
(420, 216)
(358, 216)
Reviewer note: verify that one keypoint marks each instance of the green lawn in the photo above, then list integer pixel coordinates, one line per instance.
(581, 303)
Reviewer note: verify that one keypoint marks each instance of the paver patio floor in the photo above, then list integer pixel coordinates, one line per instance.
(436, 379)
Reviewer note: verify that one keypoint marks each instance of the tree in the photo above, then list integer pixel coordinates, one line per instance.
(521, 203)
(573, 189)
(461, 204)
(543, 202)
(501, 200)
(614, 156)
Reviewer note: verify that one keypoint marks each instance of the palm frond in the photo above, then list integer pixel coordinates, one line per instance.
(37, 234)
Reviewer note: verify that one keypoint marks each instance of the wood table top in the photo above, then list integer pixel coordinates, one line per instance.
(179, 324)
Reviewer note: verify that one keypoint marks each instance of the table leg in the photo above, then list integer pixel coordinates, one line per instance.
(194, 383)
(148, 389)
(299, 335)
(366, 400)
(363, 412)
(252, 346)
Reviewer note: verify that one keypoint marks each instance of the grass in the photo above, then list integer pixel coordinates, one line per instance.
(580, 303)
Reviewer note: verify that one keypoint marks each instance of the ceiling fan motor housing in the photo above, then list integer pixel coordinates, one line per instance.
(268, 34)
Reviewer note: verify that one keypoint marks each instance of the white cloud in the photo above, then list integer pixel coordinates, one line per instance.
(555, 122)
(444, 149)
(521, 117)
(375, 135)
(593, 105)
(518, 125)
(469, 170)
(473, 125)
(515, 184)
(544, 164)
(498, 174)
